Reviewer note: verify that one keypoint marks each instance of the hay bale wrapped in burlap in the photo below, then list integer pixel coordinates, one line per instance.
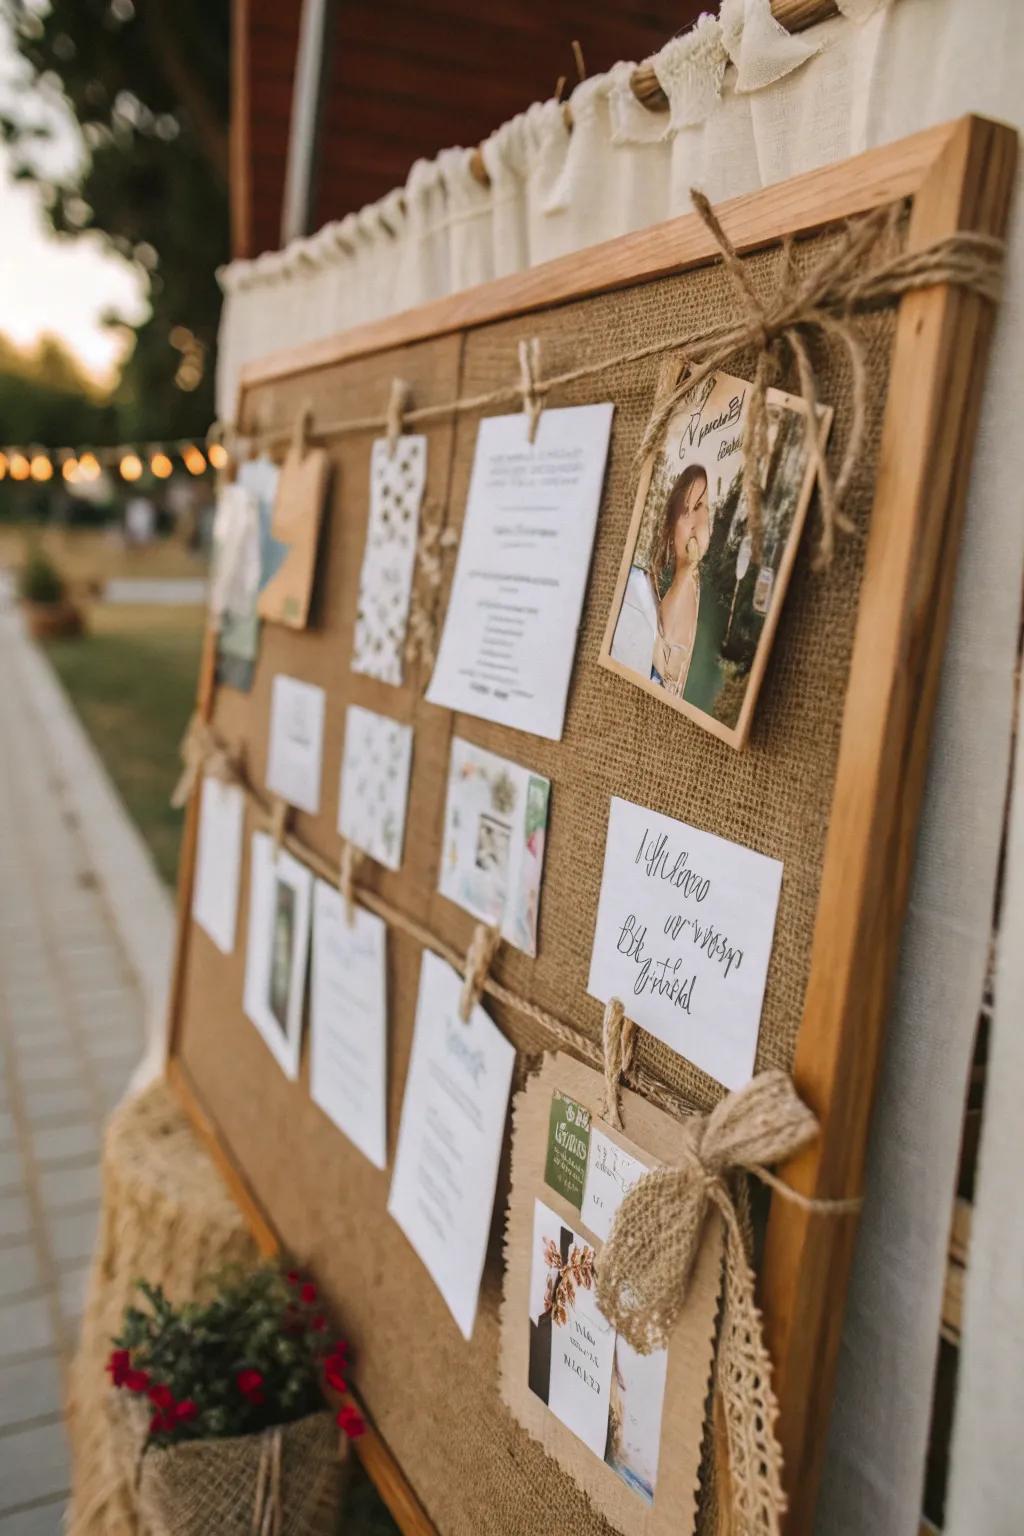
(166, 1217)
(286, 1481)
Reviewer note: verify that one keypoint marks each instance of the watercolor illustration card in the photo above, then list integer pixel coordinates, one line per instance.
(684, 932)
(495, 825)
(374, 788)
(627, 1427)
(450, 1138)
(509, 636)
(295, 753)
(398, 475)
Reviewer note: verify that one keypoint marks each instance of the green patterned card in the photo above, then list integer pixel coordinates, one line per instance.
(568, 1146)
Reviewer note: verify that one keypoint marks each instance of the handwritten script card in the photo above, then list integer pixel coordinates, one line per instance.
(375, 784)
(509, 636)
(397, 479)
(495, 824)
(684, 932)
(450, 1138)
(296, 742)
(278, 947)
(348, 1021)
(628, 1428)
(219, 861)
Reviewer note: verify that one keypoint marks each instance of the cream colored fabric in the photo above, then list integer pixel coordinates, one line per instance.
(750, 107)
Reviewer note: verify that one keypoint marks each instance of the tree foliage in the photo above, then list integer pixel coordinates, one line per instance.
(146, 86)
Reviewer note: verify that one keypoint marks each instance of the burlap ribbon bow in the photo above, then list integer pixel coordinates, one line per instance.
(646, 1265)
(201, 752)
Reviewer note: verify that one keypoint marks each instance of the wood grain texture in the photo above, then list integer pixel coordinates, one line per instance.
(806, 203)
(934, 394)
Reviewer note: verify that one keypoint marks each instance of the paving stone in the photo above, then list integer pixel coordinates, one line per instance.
(19, 1270)
(60, 1067)
(34, 1464)
(48, 1103)
(29, 1389)
(15, 1216)
(59, 1143)
(72, 1235)
(25, 1327)
(65, 1188)
(11, 1171)
(41, 1520)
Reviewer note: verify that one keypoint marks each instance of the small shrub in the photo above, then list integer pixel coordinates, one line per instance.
(40, 581)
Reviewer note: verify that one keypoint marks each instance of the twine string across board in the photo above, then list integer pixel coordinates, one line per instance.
(866, 272)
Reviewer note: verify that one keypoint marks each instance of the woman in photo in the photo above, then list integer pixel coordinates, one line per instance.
(681, 546)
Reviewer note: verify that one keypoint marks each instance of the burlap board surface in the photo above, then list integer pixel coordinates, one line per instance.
(434, 1398)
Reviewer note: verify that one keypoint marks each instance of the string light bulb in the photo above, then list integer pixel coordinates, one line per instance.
(20, 467)
(3, 466)
(218, 455)
(89, 467)
(40, 467)
(130, 466)
(69, 469)
(161, 465)
(195, 463)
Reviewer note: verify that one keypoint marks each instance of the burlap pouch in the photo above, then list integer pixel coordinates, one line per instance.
(242, 1486)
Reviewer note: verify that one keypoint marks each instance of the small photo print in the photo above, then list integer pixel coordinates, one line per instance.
(282, 951)
(495, 826)
(694, 612)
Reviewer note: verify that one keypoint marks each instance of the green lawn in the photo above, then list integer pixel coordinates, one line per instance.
(132, 679)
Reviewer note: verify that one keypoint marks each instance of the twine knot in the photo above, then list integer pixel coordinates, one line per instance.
(646, 1264)
(201, 752)
(618, 1036)
(482, 949)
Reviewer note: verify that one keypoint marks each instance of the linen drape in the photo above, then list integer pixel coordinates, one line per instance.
(751, 105)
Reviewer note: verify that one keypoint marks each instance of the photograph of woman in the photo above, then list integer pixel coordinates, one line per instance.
(696, 614)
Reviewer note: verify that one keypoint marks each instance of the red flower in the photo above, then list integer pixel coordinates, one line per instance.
(161, 1396)
(136, 1381)
(293, 1277)
(319, 1324)
(250, 1384)
(351, 1421)
(334, 1373)
(119, 1365)
(186, 1410)
(308, 1293)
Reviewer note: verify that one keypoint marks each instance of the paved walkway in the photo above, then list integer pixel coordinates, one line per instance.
(71, 1032)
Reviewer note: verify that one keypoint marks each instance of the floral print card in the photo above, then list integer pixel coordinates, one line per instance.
(375, 784)
(495, 826)
(398, 476)
(628, 1428)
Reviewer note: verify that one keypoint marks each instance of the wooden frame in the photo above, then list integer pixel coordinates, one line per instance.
(956, 177)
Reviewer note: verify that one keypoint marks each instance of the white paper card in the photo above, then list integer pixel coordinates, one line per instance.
(509, 636)
(375, 784)
(495, 825)
(219, 860)
(611, 1174)
(296, 742)
(278, 946)
(348, 1021)
(581, 1342)
(450, 1138)
(397, 479)
(684, 932)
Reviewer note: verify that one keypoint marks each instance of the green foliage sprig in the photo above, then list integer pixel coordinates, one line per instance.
(40, 581)
(256, 1354)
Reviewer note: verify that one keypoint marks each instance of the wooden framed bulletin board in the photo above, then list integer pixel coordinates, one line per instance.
(830, 783)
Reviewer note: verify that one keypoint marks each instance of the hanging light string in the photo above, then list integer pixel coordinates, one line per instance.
(129, 461)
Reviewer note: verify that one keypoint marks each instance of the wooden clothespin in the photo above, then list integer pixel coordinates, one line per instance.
(398, 402)
(302, 429)
(482, 949)
(280, 810)
(529, 384)
(351, 858)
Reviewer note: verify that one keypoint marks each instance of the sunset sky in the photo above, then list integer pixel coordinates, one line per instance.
(46, 284)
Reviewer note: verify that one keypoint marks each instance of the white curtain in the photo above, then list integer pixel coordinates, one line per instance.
(750, 105)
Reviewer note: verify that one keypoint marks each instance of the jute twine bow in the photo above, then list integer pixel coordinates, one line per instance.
(618, 1036)
(398, 401)
(482, 949)
(529, 384)
(201, 752)
(434, 541)
(267, 1514)
(840, 285)
(647, 1262)
(351, 858)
